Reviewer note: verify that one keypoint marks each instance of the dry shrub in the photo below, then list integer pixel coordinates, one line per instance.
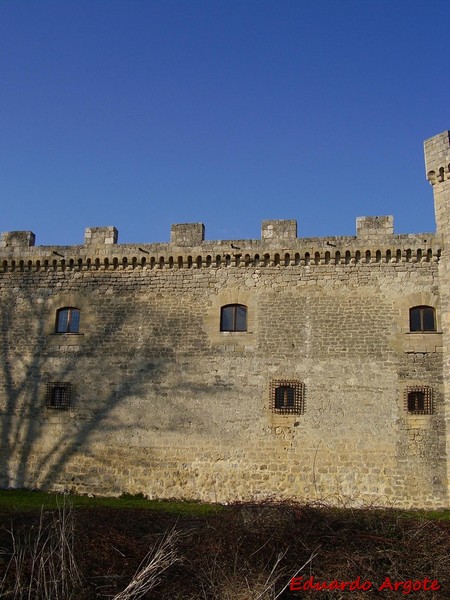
(244, 552)
(236, 550)
(42, 565)
(160, 558)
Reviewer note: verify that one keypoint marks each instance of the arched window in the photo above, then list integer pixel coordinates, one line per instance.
(68, 320)
(422, 318)
(233, 317)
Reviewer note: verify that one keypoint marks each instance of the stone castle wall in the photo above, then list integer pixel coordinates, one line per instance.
(165, 403)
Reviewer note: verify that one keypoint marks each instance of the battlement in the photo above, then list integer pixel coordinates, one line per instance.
(375, 243)
(274, 233)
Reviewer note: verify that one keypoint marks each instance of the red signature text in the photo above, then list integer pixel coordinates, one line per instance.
(405, 587)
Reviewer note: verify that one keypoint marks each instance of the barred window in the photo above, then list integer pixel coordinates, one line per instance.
(68, 320)
(233, 317)
(59, 395)
(287, 397)
(419, 400)
(422, 318)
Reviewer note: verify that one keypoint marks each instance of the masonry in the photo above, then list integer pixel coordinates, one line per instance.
(284, 367)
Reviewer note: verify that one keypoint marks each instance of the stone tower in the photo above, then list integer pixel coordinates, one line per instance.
(437, 165)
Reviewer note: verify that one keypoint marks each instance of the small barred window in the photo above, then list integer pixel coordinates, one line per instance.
(59, 395)
(419, 400)
(287, 397)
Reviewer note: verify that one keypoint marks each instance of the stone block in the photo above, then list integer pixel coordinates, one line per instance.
(97, 236)
(187, 234)
(17, 239)
(279, 229)
(374, 227)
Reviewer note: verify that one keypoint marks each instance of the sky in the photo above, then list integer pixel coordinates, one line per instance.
(145, 113)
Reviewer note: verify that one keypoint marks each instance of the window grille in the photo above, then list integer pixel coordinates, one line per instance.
(287, 397)
(68, 320)
(419, 400)
(59, 395)
(422, 318)
(233, 317)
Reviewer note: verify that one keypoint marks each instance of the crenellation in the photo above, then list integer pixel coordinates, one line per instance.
(364, 249)
(103, 242)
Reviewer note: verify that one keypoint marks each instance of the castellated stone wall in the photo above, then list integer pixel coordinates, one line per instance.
(160, 397)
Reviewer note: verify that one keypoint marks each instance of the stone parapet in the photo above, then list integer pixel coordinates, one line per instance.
(168, 257)
(375, 243)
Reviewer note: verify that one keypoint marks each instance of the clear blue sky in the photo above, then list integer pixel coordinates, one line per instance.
(143, 113)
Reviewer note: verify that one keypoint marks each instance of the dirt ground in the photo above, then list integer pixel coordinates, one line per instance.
(247, 552)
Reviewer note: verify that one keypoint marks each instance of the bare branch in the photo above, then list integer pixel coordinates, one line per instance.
(162, 556)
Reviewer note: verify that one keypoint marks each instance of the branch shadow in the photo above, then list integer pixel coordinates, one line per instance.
(30, 454)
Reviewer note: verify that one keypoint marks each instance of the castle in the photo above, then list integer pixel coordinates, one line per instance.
(285, 367)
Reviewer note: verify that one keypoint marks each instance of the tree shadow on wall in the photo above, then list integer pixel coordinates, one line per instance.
(30, 452)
